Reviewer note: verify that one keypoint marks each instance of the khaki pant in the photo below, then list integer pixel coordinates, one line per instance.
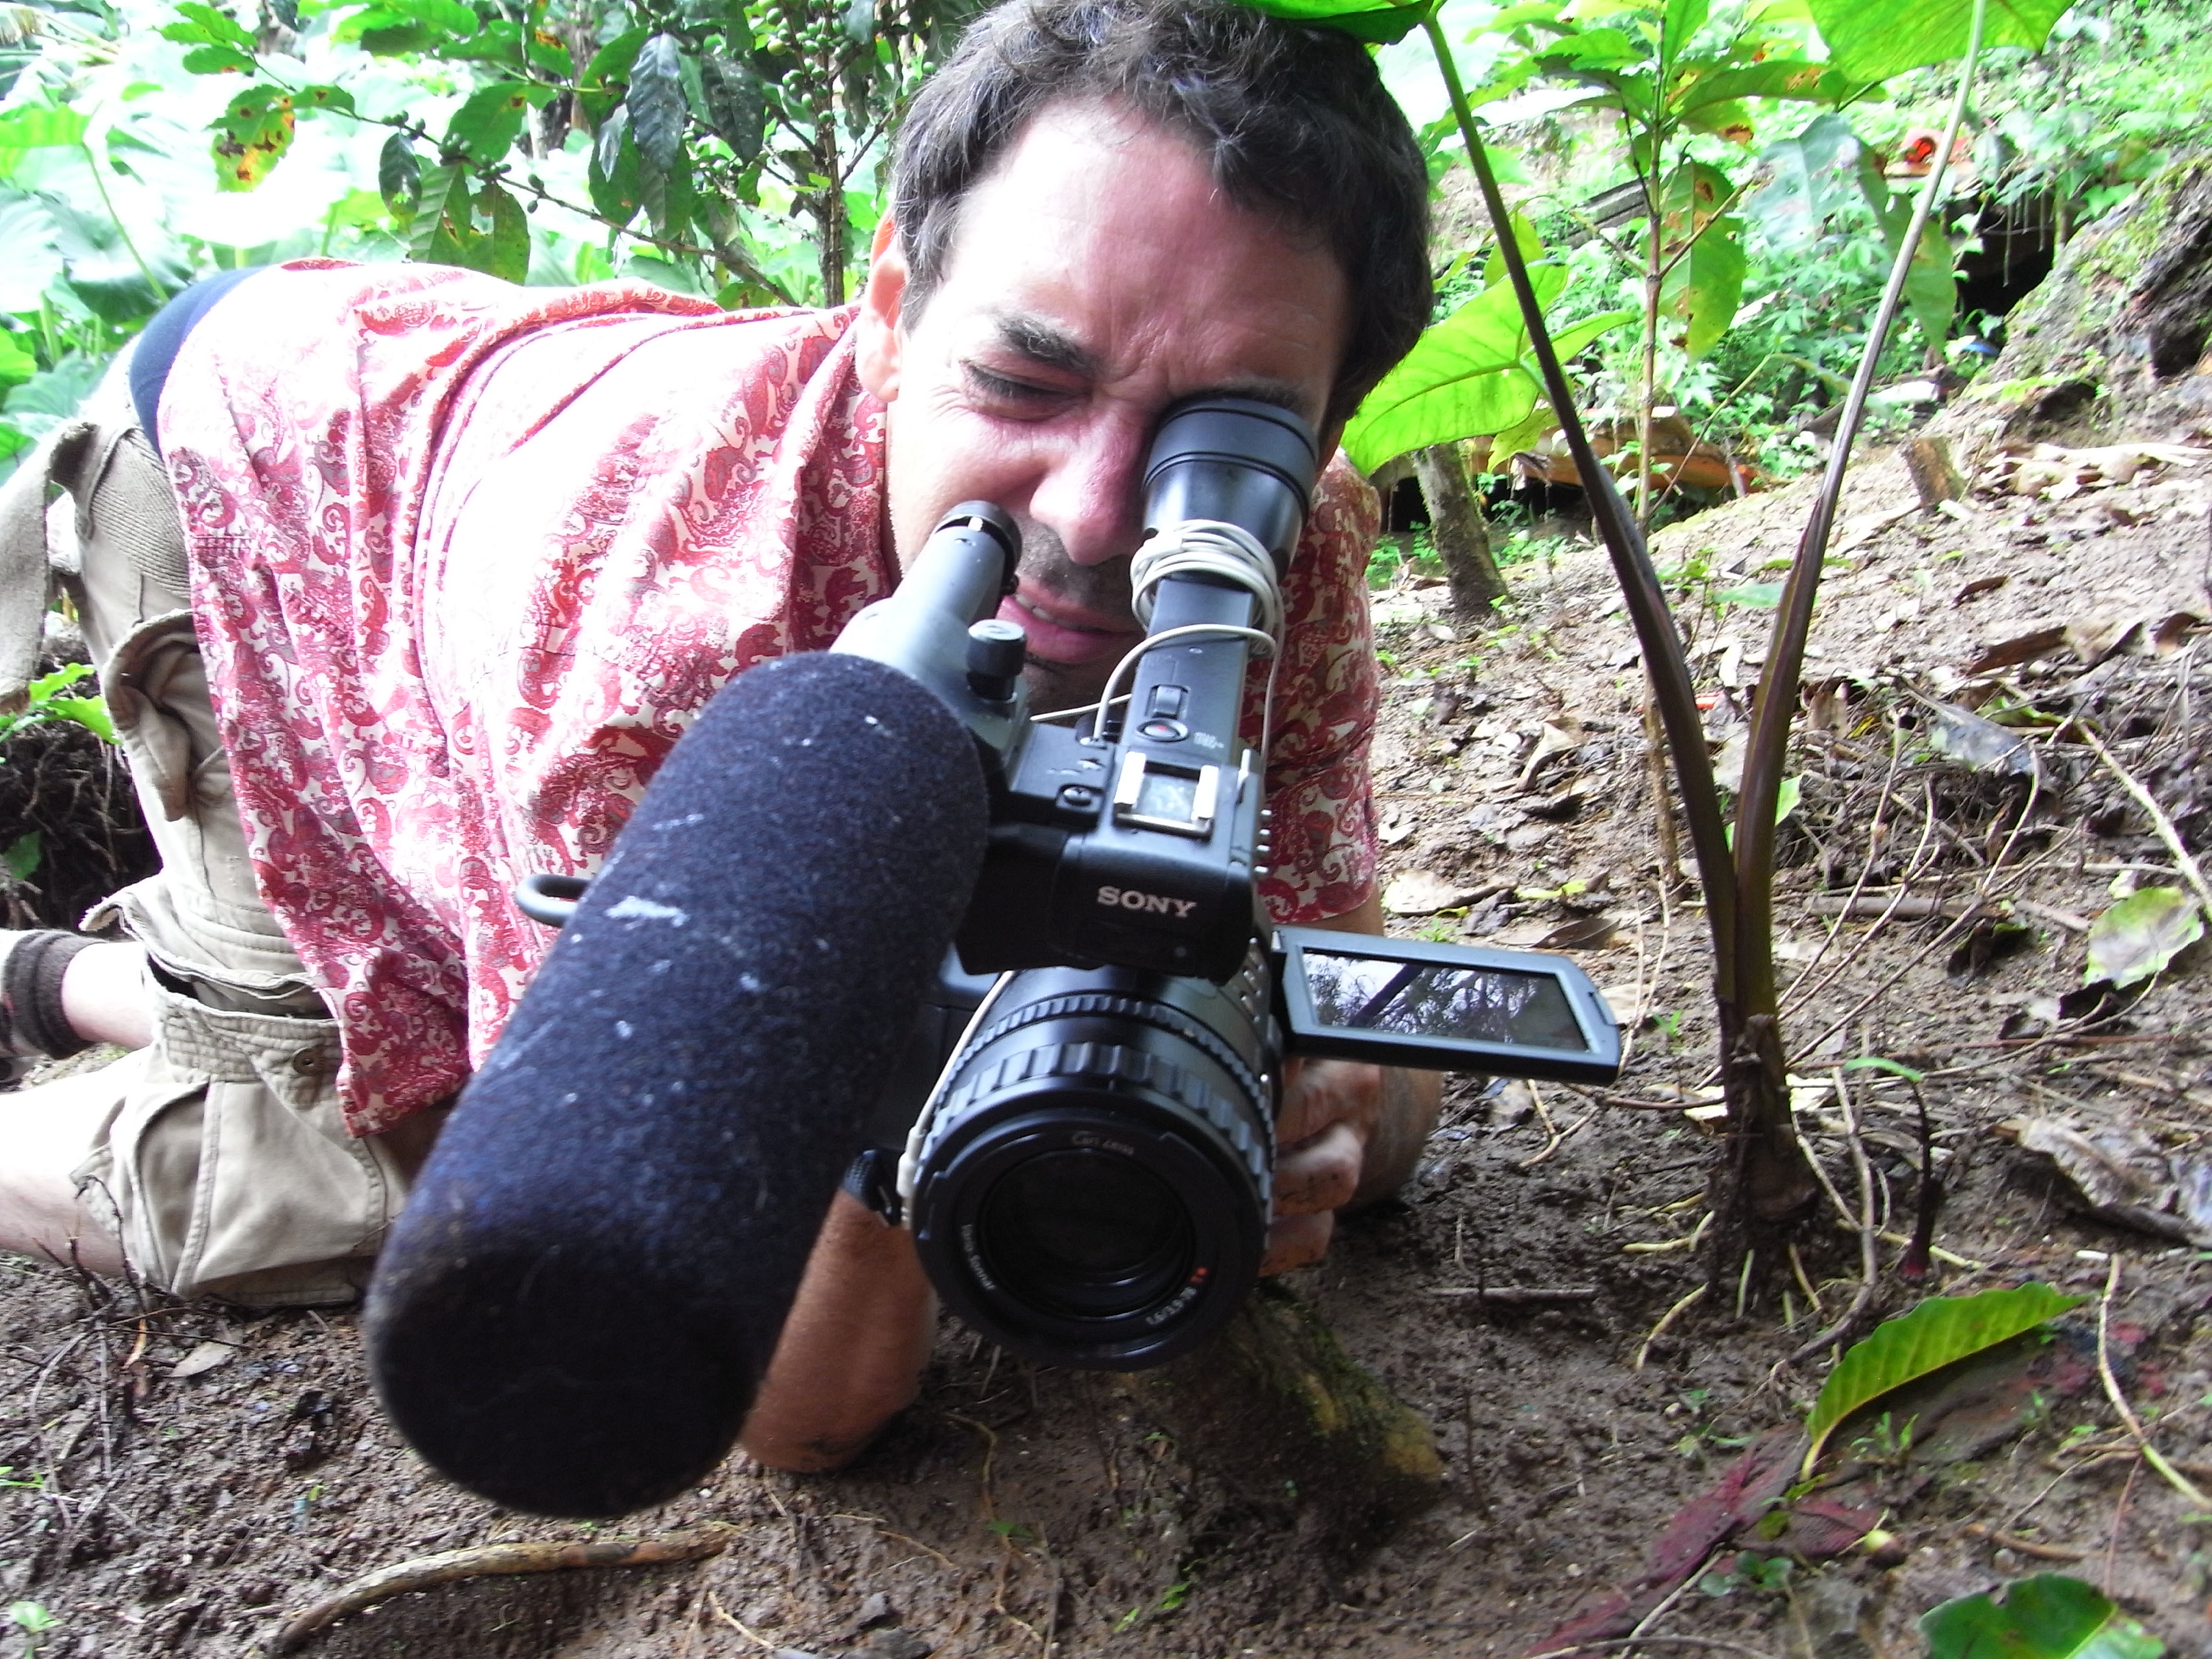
(222, 1166)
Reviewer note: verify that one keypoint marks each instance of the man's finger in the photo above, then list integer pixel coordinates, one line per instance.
(1321, 1175)
(1296, 1241)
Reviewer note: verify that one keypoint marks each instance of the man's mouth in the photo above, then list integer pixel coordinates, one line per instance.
(1064, 634)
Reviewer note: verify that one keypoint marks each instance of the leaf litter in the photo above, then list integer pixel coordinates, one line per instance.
(171, 1519)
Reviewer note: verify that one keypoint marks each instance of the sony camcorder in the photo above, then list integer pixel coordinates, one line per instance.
(1080, 1134)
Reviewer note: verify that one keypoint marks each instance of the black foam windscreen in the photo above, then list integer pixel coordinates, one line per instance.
(574, 1312)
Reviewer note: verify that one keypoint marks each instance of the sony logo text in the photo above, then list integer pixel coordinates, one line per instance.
(1157, 904)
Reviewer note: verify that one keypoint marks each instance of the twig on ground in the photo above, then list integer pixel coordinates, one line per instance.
(2151, 1454)
(1790, 999)
(737, 1623)
(685, 1544)
(1665, 1320)
(2159, 822)
(2028, 1546)
(1805, 1283)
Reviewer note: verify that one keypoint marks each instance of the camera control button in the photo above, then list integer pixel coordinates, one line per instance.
(1164, 731)
(1167, 701)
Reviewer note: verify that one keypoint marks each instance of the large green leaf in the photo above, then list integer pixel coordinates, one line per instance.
(1811, 182)
(1941, 1330)
(1463, 377)
(735, 105)
(1379, 21)
(434, 199)
(2049, 1616)
(1873, 39)
(41, 128)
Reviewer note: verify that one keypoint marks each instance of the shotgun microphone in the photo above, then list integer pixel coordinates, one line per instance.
(575, 1311)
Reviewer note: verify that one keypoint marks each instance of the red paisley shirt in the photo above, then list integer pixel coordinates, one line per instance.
(468, 558)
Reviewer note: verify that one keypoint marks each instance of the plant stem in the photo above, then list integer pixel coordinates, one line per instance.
(1662, 644)
(1767, 749)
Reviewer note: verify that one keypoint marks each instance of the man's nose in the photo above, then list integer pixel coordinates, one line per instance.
(1092, 495)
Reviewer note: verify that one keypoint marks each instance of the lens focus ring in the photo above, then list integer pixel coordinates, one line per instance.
(1063, 1061)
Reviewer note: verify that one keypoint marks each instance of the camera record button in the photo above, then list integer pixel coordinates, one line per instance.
(1164, 731)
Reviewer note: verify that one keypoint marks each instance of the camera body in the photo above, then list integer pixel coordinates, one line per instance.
(1081, 1133)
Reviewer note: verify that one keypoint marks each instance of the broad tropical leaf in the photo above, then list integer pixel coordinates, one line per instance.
(2049, 1616)
(2141, 935)
(1463, 377)
(1811, 182)
(1378, 21)
(1870, 40)
(38, 128)
(1931, 291)
(1941, 1330)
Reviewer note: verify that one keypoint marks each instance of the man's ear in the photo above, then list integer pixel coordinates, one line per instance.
(883, 302)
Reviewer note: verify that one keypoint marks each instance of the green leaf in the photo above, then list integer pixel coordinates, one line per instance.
(204, 24)
(1873, 39)
(2141, 935)
(1931, 290)
(1576, 336)
(736, 100)
(90, 713)
(1941, 1330)
(17, 362)
(606, 77)
(1376, 22)
(656, 103)
(1810, 183)
(1462, 378)
(250, 136)
(2049, 1616)
(1784, 77)
(1753, 596)
(310, 99)
(399, 178)
(39, 127)
(1787, 797)
(613, 176)
(218, 60)
(485, 127)
(22, 856)
(1883, 1063)
(508, 244)
(1684, 19)
(433, 199)
(1703, 292)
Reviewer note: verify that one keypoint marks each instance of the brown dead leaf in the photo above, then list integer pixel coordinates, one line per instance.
(2168, 634)
(2124, 1176)
(2020, 648)
(1583, 934)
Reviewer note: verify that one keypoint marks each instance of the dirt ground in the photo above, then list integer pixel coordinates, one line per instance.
(179, 1479)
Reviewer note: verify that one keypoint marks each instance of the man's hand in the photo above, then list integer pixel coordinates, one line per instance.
(1347, 1135)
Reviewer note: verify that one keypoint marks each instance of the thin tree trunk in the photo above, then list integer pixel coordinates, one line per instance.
(1460, 531)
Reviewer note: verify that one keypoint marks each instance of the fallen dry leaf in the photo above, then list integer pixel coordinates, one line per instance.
(2124, 1176)
(1424, 892)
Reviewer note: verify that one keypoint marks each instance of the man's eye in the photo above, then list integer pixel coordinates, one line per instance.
(1001, 389)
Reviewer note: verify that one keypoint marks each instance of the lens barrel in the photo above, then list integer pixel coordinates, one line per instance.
(1093, 1187)
(1236, 460)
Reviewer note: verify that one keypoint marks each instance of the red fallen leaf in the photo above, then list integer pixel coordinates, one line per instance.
(1746, 1490)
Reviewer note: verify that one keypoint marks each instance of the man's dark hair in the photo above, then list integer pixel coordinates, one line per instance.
(1293, 120)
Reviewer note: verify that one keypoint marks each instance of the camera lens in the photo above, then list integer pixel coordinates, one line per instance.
(1090, 1232)
(1093, 1187)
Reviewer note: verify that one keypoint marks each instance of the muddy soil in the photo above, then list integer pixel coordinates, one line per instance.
(182, 1478)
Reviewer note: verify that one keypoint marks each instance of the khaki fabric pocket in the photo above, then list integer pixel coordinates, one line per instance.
(227, 1170)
